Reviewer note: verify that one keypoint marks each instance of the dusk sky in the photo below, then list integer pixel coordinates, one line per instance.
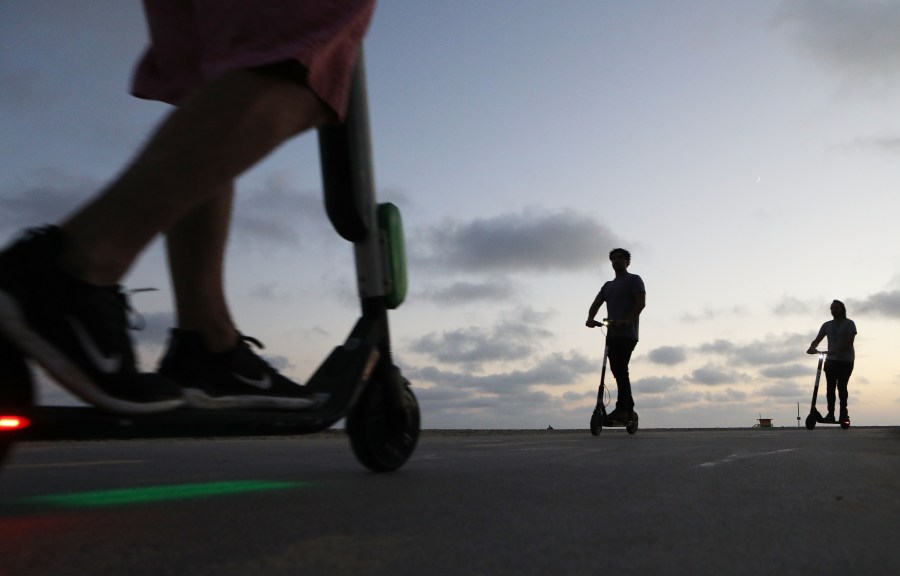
(746, 152)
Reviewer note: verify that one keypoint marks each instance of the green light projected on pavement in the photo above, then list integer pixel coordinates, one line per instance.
(149, 494)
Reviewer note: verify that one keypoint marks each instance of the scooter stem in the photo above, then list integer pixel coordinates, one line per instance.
(818, 377)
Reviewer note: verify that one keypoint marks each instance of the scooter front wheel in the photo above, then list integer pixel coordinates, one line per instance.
(384, 436)
(596, 422)
(810, 421)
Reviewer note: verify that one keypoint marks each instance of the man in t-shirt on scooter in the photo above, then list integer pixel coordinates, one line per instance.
(625, 298)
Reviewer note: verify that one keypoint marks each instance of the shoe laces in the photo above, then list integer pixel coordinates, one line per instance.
(244, 338)
(252, 340)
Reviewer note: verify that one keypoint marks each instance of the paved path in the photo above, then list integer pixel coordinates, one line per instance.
(779, 501)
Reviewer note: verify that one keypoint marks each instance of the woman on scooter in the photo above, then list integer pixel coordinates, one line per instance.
(841, 332)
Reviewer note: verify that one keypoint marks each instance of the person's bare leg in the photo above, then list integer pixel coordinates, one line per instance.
(196, 251)
(227, 126)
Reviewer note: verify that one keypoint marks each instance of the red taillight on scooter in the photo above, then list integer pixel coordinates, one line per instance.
(10, 422)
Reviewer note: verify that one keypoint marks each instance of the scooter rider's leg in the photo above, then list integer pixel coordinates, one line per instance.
(842, 390)
(831, 377)
(619, 357)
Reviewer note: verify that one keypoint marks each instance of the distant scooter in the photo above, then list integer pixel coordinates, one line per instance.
(815, 417)
(598, 418)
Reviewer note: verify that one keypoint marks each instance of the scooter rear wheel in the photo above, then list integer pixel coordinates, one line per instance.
(383, 437)
(596, 422)
(845, 424)
(632, 426)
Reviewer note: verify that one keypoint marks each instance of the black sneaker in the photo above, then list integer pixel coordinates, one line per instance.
(237, 379)
(76, 331)
(829, 417)
(617, 417)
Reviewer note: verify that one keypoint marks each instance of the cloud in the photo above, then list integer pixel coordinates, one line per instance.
(556, 369)
(718, 347)
(857, 41)
(882, 303)
(656, 385)
(790, 306)
(888, 144)
(551, 370)
(493, 290)
(728, 395)
(713, 313)
(529, 241)
(770, 351)
(22, 89)
(447, 410)
(474, 346)
(731, 376)
(667, 355)
(277, 215)
(48, 198)
(786, 371)
(785, 390)
(711, 375)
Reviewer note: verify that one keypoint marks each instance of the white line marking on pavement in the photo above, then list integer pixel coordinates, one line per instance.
(734, 457)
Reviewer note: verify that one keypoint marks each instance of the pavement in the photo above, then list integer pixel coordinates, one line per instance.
(716, 501)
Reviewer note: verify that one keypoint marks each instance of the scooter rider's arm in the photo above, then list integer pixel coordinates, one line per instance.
(592, 311)
(813, 344)
(640, 302)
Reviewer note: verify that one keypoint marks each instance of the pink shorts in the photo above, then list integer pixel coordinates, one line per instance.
(192, 41)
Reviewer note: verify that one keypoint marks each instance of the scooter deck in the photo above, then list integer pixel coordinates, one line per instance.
(599, 421)
(335, 387)
(84, 423)
(616, 423)
(823, 420)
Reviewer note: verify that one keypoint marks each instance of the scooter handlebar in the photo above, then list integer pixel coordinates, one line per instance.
(599, 323)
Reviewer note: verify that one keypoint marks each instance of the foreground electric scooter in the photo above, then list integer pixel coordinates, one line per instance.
(598, 418)
(815, 417)
(357, 381)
